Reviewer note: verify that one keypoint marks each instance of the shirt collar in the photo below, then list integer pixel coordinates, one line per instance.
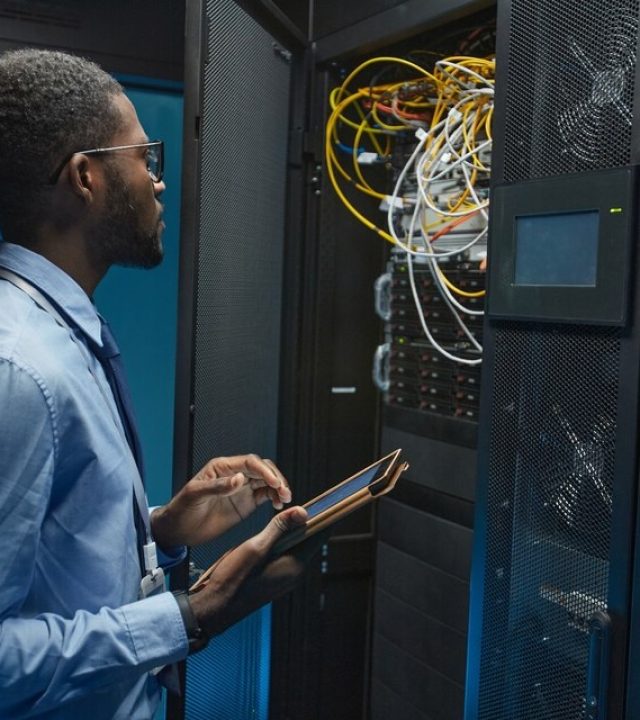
(59, 287)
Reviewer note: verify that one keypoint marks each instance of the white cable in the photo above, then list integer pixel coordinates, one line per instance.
(445, 291)
(448, 298)
(455, 153)
(459, 161)
(422, 140)
(448, 253)
(423, 322)
(433, 175)
(393, 203)
(433, 267)
(472, 190)
(446, 295)
(426, 253)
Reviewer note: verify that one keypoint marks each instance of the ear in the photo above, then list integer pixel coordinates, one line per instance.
(81, 177)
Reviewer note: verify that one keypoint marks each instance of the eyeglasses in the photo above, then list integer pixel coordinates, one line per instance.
(154, 158)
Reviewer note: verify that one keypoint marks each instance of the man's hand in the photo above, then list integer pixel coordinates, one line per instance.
(246, 577)
(224, 492)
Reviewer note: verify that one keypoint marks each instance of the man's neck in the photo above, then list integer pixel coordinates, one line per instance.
(70, 255)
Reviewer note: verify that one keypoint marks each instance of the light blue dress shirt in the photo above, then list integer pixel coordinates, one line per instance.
(75, 643)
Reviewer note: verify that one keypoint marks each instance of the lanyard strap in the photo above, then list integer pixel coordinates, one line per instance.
(43, 302)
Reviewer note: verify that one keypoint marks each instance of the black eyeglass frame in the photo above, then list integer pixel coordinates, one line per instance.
(156, 177)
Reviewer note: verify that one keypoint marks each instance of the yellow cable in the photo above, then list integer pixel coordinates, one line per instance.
(372, 135)
(399, 61)
(382, 124)
(347, 121)
(447, 82)
(457, 290)
(365, 221)
(487, 123)
(358, 171)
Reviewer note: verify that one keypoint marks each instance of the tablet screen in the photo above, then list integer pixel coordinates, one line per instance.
(361, 480)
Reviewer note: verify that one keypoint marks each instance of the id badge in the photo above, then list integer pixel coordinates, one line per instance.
(152, 583)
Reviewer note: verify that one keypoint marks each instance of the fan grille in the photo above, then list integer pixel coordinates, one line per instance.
(571, 86)
(549, 511)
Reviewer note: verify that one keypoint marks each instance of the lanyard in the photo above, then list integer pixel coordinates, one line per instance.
(149, 548)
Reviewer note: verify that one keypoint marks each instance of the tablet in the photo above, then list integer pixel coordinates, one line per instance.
(345, 497)
(337, 502)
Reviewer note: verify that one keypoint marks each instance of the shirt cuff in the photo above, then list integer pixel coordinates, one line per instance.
(157, 631)
(171, 556)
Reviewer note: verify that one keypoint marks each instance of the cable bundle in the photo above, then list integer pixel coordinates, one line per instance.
(443, 187)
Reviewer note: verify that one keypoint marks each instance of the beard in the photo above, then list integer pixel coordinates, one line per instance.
(119, 237)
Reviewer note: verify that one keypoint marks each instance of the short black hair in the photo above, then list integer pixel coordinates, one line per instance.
(51, 105)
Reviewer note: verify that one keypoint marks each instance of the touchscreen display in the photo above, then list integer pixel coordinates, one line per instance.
(344, 491)
(557, 249)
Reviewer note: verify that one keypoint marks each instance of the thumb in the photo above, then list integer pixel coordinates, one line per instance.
(281, 524)
(242, 560)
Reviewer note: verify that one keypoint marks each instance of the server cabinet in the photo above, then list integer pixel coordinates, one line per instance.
(305, 362)
(552, 581)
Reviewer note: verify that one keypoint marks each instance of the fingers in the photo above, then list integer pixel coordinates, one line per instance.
(246, 578)
(241, 561)
(284, 493)
(257, 469)
(220, 486)
(262, 493)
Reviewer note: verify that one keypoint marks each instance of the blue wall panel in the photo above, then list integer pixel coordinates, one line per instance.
(141, 305)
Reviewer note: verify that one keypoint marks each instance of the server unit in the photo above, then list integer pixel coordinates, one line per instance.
(553, 630)
(418, 376)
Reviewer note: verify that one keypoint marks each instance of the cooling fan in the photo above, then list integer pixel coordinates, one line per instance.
(573, 484)
(595, 89)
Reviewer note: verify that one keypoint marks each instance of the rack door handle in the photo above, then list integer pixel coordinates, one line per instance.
(381, 367)
(382, 296)
(598, 666)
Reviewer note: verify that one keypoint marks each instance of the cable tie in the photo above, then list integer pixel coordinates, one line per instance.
(421, 134)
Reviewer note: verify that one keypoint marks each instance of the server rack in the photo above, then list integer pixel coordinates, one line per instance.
(552, 629)
(322, 434)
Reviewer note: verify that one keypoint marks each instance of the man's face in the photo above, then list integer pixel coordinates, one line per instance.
(129, 228)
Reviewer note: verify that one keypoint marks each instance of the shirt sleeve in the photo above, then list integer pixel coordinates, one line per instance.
(48, 660)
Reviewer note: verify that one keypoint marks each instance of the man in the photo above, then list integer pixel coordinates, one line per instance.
(85, 629)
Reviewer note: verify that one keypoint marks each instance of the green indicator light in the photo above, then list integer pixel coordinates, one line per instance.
(615, 211)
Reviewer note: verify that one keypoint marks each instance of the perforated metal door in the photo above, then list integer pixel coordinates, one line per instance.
(570, 86)
(551, 469)
(241, 210)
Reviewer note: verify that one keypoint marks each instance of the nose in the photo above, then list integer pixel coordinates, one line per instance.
(158, 187)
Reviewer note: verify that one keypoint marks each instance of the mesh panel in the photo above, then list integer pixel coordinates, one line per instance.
(244, 133)
(570, 82)
(550, 487)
